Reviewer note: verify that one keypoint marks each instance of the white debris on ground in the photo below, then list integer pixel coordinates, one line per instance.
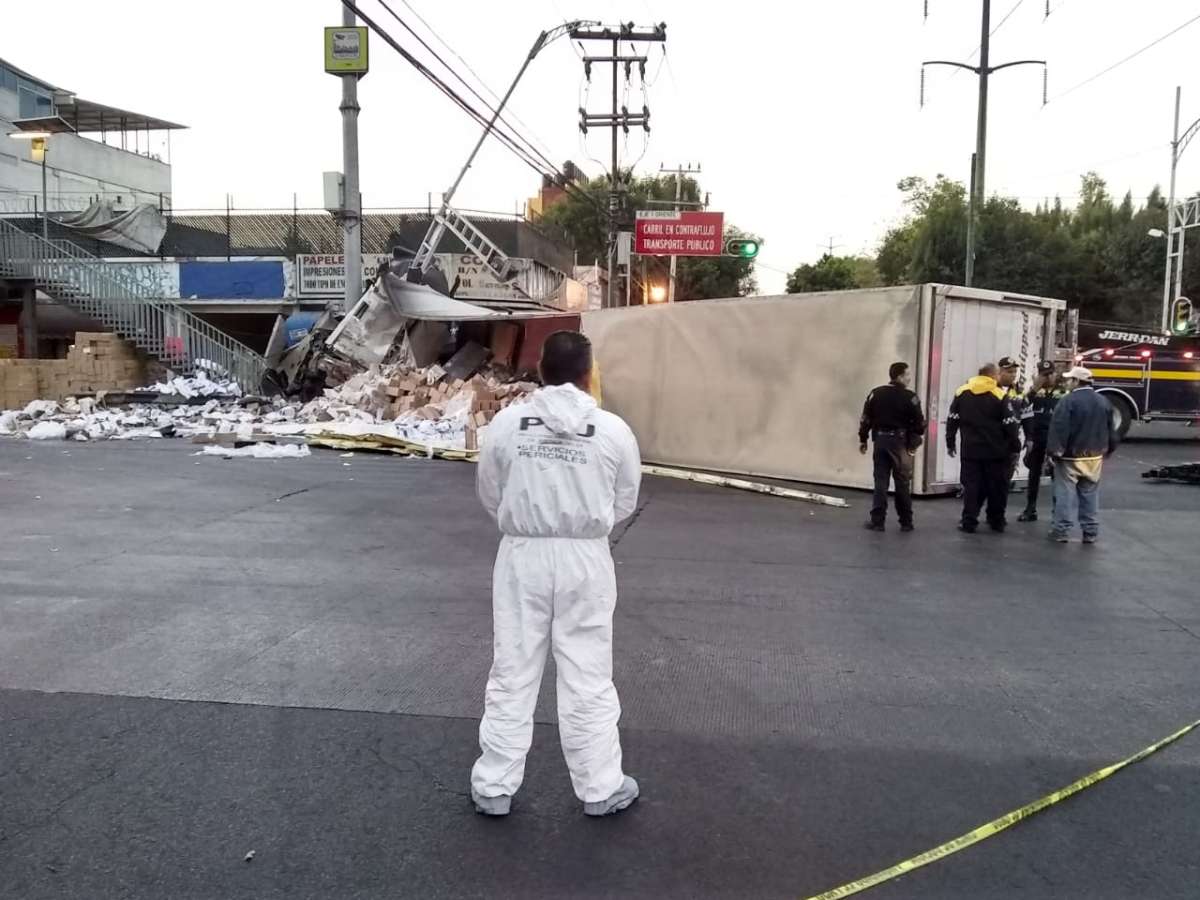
(199, 385)
(259, 451)
(48, 431)
(422, 406)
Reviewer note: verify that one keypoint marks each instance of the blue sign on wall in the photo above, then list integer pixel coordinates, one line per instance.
(252, 280)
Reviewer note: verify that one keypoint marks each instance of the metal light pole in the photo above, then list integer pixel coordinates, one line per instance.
(678, 172)
(352, 205)
(1177, 220)
(38, 146)
(45, 197)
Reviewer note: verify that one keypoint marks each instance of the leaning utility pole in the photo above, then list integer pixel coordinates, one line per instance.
(620, 117)
(678, 172)
(983, 70)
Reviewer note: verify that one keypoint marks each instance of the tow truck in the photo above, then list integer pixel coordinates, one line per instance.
(1145, 376)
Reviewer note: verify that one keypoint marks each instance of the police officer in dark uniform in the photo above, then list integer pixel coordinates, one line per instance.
(1010, 371)
(892, 417)
(1035, 423)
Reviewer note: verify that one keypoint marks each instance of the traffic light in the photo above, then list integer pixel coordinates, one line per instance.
(745, 248)
(1181, 316)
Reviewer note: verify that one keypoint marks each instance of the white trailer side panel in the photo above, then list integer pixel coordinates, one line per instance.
(762, 386)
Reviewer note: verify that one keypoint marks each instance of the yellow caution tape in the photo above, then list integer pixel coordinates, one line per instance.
(996, 825)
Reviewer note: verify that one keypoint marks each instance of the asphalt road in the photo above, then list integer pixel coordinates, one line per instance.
(202, 658)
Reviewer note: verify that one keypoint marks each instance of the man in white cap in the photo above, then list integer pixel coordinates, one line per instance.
(1081, 435)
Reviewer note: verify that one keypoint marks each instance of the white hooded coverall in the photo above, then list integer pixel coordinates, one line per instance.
(556, 473)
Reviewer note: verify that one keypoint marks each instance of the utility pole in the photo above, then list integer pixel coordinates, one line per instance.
(983, 70)
(620, 117)
(678, 172)
(830, 247)
(352, 204)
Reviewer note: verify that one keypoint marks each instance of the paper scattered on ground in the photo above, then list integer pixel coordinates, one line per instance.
(198, 385)
(365, 404)
(258, 451)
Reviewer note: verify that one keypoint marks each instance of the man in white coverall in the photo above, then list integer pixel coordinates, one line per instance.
(556, 473)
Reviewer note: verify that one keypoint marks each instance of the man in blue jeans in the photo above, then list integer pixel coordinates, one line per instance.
(1081, 436)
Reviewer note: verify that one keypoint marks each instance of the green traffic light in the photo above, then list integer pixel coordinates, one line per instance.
(1181, 314)
(741, 247)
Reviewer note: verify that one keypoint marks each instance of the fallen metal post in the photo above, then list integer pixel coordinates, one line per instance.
(742, 485)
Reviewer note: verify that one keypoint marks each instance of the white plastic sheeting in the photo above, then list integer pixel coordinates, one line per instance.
(141, 228)
(259, 451)
(48, 431)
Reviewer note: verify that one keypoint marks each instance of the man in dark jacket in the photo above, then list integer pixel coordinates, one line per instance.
(1082, 434)
(1035, 423)
(892, 417)
(989, 437)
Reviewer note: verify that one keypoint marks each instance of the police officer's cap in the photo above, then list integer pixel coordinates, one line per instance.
(1007, 362)
(1045, 367)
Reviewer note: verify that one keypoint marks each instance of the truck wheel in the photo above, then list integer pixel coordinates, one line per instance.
(1122, 414)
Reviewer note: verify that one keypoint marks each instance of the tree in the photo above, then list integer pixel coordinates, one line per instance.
(834, 273)
(931, 243)
(582, 217)
(1097, 256)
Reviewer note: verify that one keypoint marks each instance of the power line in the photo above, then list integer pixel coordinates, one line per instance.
(1079, 170)
(992, 33)
(463, 81)
(477, 76)
(441, 85)
(1131, 56)
(1007, 16)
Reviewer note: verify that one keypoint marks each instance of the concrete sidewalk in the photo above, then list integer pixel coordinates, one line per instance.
(288, 657)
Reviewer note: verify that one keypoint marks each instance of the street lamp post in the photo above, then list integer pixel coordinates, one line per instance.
(38, 146)
(1176, 223)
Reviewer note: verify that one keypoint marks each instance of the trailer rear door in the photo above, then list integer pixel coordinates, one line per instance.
(967, 332)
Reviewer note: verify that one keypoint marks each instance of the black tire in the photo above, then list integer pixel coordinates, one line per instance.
(1122, 413)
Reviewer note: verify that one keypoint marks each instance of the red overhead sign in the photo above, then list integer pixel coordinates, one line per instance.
(670, 233)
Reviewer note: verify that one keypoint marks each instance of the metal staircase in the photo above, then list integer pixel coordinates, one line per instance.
(110, 294)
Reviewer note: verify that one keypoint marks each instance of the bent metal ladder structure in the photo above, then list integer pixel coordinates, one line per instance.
(110, 294)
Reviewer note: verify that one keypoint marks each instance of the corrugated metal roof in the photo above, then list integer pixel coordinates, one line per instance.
(285, 234)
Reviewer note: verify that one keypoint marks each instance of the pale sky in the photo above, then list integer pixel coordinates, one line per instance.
(803, 114)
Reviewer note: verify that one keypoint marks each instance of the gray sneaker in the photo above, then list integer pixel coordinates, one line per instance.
(624, 796)
(1058, 537)
(1091, 538)
(491, 806)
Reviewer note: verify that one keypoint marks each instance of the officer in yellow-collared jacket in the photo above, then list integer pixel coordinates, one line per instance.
(990, 435)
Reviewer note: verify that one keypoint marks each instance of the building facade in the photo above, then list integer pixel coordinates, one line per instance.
(94, 151)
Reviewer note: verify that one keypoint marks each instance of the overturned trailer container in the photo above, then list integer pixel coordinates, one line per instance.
(774, 386)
